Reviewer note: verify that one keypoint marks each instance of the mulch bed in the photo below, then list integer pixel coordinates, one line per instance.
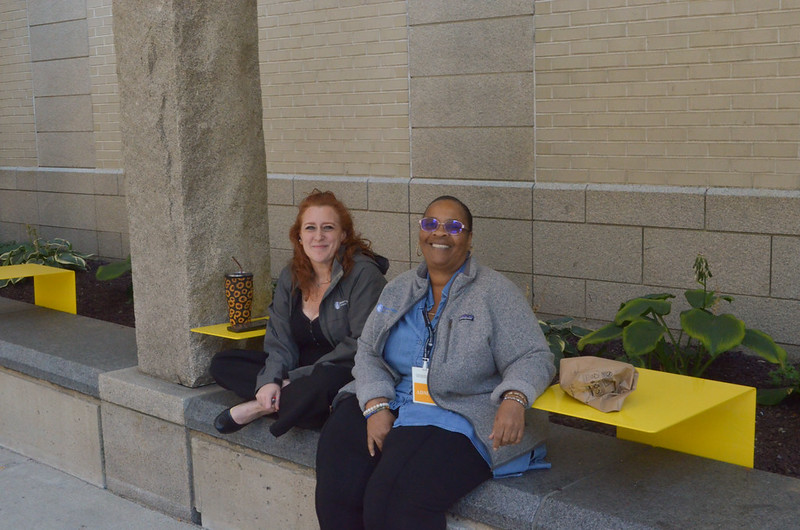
(777, 447)
(104, 300)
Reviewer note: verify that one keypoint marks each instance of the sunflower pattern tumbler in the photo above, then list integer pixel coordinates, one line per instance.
(239, 292)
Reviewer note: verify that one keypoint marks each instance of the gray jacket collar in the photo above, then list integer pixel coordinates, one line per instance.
(469, 270)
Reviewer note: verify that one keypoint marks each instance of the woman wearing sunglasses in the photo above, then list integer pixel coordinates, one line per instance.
(447, 366)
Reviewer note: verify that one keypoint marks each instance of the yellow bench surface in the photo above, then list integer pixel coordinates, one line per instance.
(221, 330)
(688, 414)
(52, 287)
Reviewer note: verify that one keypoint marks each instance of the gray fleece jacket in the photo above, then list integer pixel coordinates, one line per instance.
(488, 341)
(342, 312)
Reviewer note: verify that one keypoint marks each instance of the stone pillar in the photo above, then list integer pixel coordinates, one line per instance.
(193, 153)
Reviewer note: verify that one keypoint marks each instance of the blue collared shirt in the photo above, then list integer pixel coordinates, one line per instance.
(404, 349)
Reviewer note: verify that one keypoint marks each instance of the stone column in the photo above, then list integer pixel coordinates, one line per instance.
(195, 170)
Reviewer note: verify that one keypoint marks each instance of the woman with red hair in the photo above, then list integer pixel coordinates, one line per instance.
(320, 304)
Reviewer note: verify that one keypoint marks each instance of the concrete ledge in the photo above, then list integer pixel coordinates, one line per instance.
(67, 350)
(157, 444)
(298, 445)
(51, 425)
(596, 482)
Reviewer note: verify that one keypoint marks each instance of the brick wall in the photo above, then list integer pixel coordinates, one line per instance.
(60, 169)
(688, 93)
(17, 131)
(600, 144)
(335, 87)
(472, 111)
(105, 92)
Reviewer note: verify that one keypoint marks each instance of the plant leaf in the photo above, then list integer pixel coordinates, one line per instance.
(772, 396)
(634, 309)
(641, 337)
(717, 333)
(64, 258)
(580, 332)
(658, 296)
(559, 321)
(117, 269)
(764, 346)
(604, 334)
(699, 299)
(556, 344)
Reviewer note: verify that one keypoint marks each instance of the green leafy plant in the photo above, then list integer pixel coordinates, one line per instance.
(561, 334)
(114, 270)
(55, 253)
(786, 379)
(647, 340)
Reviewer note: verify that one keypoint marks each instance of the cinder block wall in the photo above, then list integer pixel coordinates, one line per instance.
(60, 169)
(680, 93)
(635, 98)
(601, 146)
(335, 87)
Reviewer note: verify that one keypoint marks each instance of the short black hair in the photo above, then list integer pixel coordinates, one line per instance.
(457, 201)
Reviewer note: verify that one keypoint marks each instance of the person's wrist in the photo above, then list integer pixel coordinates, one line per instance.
(374, 401)
(517, 396)
(378, 407)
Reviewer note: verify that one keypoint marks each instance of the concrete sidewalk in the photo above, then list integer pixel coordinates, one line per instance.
(33, 495)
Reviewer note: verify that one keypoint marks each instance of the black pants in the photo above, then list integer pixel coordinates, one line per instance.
(420, 474)
(304, 403)
(237, 370)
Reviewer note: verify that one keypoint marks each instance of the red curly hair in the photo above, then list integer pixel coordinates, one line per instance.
(302, 271)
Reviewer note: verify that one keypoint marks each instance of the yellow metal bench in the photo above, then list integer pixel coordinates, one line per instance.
(221, 330)
(52, 287)
(696, 416)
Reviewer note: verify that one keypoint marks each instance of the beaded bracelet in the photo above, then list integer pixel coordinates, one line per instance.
(517, 394)
(375, 408)
(518, 400)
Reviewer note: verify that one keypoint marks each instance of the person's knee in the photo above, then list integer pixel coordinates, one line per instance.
(391, 510)
(220, 362)
(375, 508)
(214, 366)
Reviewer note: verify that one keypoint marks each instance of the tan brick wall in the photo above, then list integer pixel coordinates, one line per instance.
(600, 144)
(17, 130)
(335, 87)
(60, 167)
(105, 91)
(688, 93)
(472, 89)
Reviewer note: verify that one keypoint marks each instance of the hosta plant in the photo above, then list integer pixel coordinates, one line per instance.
(114, 270)
(55, 253)
(558, 331)
(702, 337)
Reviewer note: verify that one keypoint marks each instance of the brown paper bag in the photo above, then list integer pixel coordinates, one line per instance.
(600, 383)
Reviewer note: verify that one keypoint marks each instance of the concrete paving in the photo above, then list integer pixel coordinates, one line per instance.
(33, 495)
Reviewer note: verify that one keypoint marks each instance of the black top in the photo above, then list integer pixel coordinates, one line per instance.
(307, 334)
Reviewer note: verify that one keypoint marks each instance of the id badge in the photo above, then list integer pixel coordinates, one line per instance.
(419, 379)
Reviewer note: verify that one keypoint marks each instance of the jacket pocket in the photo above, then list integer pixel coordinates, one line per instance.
(469, 350)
